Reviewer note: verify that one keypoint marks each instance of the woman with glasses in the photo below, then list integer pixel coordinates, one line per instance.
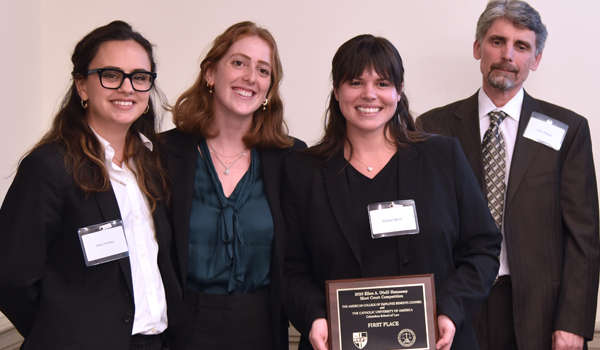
(225, 159)
(376, 197)
(84, 239)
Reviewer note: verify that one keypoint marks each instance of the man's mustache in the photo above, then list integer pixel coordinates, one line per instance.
(506, 67)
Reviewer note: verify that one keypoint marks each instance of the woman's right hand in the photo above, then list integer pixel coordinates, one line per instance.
(318, 334)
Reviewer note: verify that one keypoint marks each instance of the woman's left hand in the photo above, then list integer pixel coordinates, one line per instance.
(446, 329)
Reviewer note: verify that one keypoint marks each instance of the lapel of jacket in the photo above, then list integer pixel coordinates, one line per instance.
(410, 171)
(162, 231)
(336, 186)
(109, 207)
(525, 149)
(270, 166)
(466, 129)
(182, 158)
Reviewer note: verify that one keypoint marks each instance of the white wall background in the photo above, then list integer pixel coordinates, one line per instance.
(434, 37)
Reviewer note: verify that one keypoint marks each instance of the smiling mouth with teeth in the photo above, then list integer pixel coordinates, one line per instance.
(368, 110)
(123, 103)
(244, 93)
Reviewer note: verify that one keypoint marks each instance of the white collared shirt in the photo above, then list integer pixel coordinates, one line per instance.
(148, 290)
(509, 128)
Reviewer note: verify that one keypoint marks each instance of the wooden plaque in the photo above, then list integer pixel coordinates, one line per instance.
(382, 313)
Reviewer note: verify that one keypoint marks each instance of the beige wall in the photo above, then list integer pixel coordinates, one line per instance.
(21, 119)
(434, 37)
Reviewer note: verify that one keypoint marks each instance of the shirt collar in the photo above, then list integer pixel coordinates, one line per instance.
(109, 152)
(146, 141)
(512, 107)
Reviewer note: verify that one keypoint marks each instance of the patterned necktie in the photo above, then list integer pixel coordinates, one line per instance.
(494, 155)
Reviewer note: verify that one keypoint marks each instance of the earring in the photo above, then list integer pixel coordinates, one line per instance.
(265, 104)
(147, 109)
(209, 87)
(84, 104)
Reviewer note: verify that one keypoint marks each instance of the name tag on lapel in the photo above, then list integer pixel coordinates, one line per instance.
(395, 218)
(103, 242)
(545, 130)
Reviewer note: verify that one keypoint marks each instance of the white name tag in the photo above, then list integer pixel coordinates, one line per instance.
(393, 218)
(546, 130)
(103, 242)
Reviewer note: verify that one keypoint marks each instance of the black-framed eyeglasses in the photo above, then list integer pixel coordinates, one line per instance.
(111, 78)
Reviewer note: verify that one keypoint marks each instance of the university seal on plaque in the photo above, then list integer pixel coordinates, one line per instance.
(407, 337)
(360, 339)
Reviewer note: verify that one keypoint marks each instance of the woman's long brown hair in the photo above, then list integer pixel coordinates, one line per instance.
(84, 156)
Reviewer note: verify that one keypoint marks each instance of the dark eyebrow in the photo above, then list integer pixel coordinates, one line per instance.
(111, 67)
(497, 37)
(137, 70)
(140, 70)
(250, 59)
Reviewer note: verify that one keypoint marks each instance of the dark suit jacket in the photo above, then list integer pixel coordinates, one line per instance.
(550, 219)
(181, 152)
(458, 241)
(53, 299)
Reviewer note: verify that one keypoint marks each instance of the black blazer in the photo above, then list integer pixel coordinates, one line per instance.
(458, 240)
(53, 299)
(550, 219)
(181, 152)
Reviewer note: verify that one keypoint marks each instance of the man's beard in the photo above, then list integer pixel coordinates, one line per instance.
(502, 80)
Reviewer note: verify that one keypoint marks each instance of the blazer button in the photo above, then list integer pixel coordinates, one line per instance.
(405, 263)
(128, 317)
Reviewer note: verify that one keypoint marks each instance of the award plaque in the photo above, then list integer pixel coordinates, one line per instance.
(382, 313)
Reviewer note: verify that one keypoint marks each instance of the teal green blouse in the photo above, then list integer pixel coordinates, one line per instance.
(230, 237)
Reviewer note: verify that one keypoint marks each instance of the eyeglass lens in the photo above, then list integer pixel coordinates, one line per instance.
(112, 79)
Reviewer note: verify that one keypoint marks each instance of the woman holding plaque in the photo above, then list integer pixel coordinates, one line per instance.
(372, 154)
(85, 242)
(226, 159)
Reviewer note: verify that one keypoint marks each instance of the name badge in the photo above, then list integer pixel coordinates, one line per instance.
(546, 130)
(395, 218)
(103, 242)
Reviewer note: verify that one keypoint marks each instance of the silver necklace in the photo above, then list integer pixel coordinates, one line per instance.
(225, 156)
(228, 165)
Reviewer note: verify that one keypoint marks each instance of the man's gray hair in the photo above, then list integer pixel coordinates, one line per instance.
(519, 13)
